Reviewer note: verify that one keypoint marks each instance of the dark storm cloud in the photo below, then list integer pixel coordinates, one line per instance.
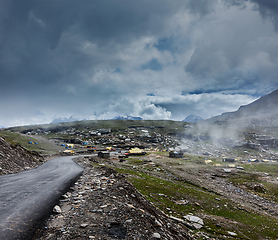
(51, 51)
(154, 64)
(101, 59)
(31, 32)
(201, 7)
(269, 9)
(166, 44)
(240, 3)
(225, 60)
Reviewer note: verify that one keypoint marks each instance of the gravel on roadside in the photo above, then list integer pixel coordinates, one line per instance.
(104, 205)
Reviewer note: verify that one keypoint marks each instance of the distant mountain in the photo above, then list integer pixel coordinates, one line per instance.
(192, 118)
(264, 105)
(262, 112)
(127, 118)
(70, 119)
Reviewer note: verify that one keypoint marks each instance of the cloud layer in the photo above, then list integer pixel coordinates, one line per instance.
(154, 59)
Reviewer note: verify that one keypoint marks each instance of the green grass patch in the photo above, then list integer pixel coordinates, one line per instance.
(270, 168)
(244, 178)
(272, 191)
(15, 139)
(135, 161)
(194, 158)
(165, 195)
(161, 153)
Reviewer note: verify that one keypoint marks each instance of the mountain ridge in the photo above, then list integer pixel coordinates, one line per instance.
(127, 118)
(263, 111)
(192, 118)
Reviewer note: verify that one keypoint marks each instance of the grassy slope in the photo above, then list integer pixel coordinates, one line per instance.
(112, 124)
(43, 146)
(164, 192)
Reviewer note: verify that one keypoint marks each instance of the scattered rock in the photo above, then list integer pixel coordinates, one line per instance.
(232, 233)
(181, 221)
(156, 235)
(57, 209)
(83, 225)
(65, 196)
(195, 221)
(257, 187)
(182, 202)
(120, 212)
(14, 158)
(158, 223)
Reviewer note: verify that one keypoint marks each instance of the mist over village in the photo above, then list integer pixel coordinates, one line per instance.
(138, 119)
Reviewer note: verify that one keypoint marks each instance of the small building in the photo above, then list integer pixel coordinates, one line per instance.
(104, 155)
(253, 160)
(93, 133)
(136, 151)
(228, 160)
(104, 131)
(208, 161)
(175, 154)
(69, 152)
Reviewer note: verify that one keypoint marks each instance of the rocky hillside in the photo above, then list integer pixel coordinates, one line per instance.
(262, 112)
(14, 158)
(265, 104)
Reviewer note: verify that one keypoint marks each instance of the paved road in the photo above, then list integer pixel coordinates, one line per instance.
(27, 198)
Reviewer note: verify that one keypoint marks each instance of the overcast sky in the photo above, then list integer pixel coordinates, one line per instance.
(158, 59)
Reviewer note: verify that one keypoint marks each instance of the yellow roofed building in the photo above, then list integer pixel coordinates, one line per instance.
(69, 152)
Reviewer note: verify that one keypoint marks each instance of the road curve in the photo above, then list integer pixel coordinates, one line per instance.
(27, 198)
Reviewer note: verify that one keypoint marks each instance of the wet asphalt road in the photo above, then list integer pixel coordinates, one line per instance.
(27, 198)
